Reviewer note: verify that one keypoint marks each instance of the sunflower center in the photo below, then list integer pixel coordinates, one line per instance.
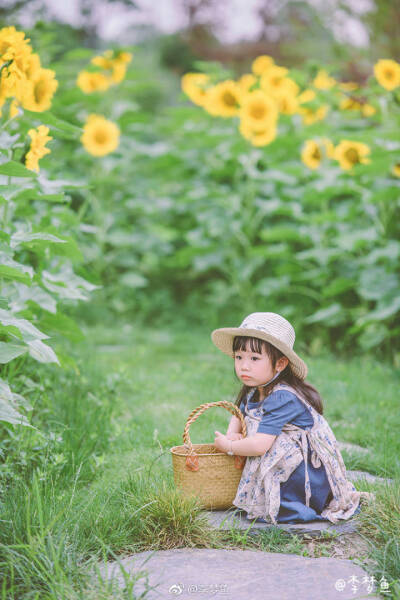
(352, 155)
(389, 74)
(229, 99)
(100, 137)
(275, 81)
(316, 153)
(39, 91)
(258, 111)
(4, 46)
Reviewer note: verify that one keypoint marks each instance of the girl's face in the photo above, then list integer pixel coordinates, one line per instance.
(252, 368)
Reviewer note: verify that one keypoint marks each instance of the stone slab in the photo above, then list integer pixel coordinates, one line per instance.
(234, 519)
(190, 573)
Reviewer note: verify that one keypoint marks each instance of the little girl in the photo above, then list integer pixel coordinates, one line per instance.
(294, 471)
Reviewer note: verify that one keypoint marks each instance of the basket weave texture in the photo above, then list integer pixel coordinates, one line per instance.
(202, 470)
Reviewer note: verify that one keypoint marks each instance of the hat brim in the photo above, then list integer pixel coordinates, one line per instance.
(223, 340)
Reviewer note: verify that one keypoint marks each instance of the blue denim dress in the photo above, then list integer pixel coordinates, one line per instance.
(279, 408)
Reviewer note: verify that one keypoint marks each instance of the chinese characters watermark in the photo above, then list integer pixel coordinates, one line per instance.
(368, 581)
(199, 588)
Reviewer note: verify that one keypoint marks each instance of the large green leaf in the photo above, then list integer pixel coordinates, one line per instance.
(10, 351)
(15, 169)
(63, 127)
(331, 315)
(8, 412)
(376, 282)
(22, 237)
(7, 272)
(41, 352)
(61, 324)
(29, 332)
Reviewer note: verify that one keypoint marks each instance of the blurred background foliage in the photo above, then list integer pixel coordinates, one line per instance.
(187, 218)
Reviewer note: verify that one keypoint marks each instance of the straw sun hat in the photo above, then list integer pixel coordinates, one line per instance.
(267, 326)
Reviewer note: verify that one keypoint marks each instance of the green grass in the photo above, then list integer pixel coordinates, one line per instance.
(95, 482)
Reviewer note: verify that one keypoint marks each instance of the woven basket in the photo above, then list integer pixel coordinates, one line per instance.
(202, 470)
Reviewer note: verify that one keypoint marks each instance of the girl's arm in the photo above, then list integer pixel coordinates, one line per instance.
(254, 445)
(234, 426)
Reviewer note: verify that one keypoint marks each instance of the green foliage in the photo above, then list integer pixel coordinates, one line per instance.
(199, 218)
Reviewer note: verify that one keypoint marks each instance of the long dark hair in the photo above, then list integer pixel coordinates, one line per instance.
(307, 390)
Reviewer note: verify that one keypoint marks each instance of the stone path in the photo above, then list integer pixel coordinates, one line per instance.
(190, 573)
(252, 574)
(237, 520)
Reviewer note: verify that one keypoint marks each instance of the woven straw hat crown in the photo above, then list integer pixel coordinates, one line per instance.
(272, 328)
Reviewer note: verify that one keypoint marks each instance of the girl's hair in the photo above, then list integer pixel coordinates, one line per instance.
(307, 390)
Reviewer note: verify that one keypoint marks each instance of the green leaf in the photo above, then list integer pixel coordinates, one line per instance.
(29, 331)
(133, 280)
(15, 169)
(60, 323)
(47, 118)
(282, 233)
(13, 274)
(33, 194)
(372, 336)
(41, 352)
(7, 411)
(331, 315)
(22, 237)
(338, 286)
(10, 351)
(377, 282)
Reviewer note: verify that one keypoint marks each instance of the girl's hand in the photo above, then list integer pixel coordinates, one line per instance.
(234, 436)
(221, 442)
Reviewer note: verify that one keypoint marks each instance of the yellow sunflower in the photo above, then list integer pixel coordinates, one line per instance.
(37, 150)
(14, 109)
(306, 96)
(261, 64)
(40, 91)
(368, 110)
(104, 61)
(387, 72)
(348, 86)
(246, 82)
(100, 136)
(223, 100)
(396, 169)
(328, 147)
(16, 49)
(258, 110)
(32, 66)
(257, 136)
(349, 153)
(323, 81)
(311, 154)
(311, 116)
(93, 82)
(350, 103)
(119, 66)
(287, 105)
(115, 63)
(194, 85)
(274, 80)
(286, 96)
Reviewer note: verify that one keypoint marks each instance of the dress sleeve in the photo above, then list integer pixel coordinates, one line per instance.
(279, 408)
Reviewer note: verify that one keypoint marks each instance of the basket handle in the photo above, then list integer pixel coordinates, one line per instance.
(192, 461)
